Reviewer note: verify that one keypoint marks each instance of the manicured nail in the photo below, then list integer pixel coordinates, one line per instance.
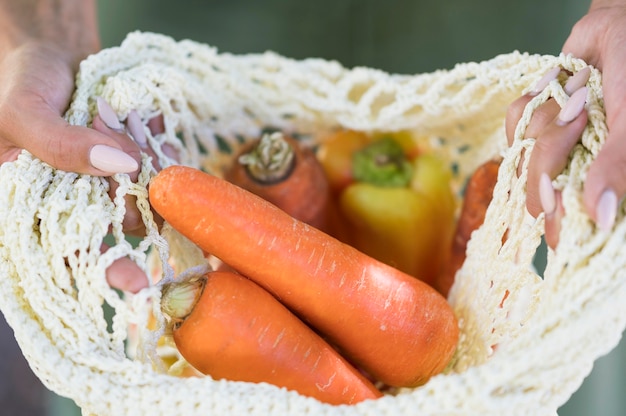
(108, 115)
(112, 160)
(546, 194)
(606, 210)
(545, 80)
(135, 128)
(578, 80)
(573, 107)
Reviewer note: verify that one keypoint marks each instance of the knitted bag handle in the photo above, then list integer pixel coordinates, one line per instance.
(527, 341)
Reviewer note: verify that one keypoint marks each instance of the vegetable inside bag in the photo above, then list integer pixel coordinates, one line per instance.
(527, 340)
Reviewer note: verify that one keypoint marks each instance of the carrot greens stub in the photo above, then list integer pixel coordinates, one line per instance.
(271, 160)
(179, 298)
(282, 170)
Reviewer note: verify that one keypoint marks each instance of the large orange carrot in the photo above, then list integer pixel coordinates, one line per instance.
(478, 195)
(228, 327)
(281, 170)
(398, 329)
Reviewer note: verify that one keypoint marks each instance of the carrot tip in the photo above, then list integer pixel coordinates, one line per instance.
(179, 298)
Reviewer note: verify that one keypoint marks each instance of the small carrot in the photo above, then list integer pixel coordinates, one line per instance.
(476, 199)
(281, 170)
(228, 327)
(398, 329)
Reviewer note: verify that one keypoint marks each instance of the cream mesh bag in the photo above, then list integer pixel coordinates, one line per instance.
(524, 353)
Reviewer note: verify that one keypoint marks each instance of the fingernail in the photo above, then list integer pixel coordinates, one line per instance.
(606, 210)
(108, 115)
(545, 80)
(578, 80)
(546, 194)
(135, 128)
(573, 107)
(110, 159)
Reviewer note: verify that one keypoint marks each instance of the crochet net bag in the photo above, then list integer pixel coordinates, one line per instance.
(524, 353)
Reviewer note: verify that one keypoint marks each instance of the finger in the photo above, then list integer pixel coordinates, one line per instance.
(136, 129)
(157, 125)
(577, 81)
(538, 120)
(132, 222)
(605, 184)
(553, 222)
(543, 116)
(553, 146)
(516, 108)
(513, 115)
(124, 274)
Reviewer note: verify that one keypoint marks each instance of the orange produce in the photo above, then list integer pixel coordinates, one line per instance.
(228, 327)
(398, 329)
(476, 199)
(281, 170)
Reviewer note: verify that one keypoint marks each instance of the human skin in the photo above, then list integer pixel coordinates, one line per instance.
(598, 38)
(41, 45)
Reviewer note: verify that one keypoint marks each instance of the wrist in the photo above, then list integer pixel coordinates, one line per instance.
(599, 4)
(68, 26)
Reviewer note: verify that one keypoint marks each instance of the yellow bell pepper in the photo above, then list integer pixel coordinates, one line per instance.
(400, 211)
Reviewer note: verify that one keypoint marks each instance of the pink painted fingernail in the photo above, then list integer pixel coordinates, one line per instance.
(545, 80)
(111, 160)
(606, 210)
(578, 80)
(135, 128)
(546, 194)
(573, 107)
(108, 115)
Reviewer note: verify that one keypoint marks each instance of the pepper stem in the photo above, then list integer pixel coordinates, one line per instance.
(271, 160)
(179, 298)
(382, 163)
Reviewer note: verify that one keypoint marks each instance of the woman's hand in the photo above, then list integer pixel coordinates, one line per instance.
(598, 38)
(41, 44)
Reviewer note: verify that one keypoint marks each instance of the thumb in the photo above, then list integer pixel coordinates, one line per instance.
(79, 149)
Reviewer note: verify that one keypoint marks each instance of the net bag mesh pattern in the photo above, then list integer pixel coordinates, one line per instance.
(521, 353)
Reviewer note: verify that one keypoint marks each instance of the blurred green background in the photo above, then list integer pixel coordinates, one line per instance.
(400, 36)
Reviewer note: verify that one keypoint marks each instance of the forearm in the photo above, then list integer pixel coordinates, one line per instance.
(597, 4)
(603, 3)
(69, 25)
